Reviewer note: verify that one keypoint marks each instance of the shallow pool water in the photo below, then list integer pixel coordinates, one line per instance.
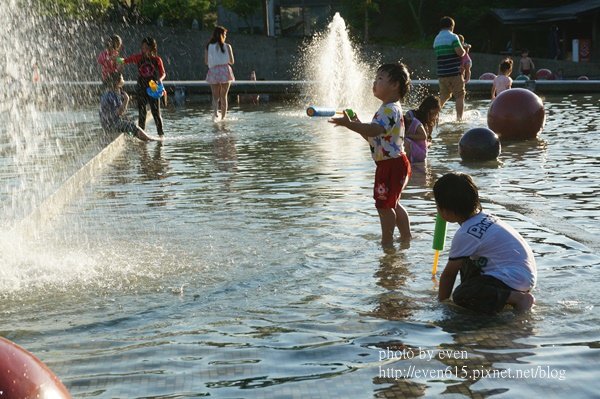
(242, 259)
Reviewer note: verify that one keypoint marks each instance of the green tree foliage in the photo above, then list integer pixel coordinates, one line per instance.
(129, 10)
(175, 11)
(245, 9)
(360, 15)
(74, 8)
(133, 11)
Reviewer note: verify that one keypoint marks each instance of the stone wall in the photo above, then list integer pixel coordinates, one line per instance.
(276, 58)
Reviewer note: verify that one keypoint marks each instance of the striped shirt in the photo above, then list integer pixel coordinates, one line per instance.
(448, 62)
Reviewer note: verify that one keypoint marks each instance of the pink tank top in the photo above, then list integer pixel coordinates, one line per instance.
(418, 148)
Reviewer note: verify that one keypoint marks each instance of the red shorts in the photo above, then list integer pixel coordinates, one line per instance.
(390, 178)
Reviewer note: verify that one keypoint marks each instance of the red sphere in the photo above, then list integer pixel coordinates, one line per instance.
(23, 375)
(544, 74)
(487, 76)
(516, 114)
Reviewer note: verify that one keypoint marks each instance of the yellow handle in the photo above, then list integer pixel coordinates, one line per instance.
(436, 257)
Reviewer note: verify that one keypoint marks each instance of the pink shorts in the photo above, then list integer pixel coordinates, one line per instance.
(220, 74)
(391, 176)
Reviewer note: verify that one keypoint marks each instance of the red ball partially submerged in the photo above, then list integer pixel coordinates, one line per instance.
(487, 76)
(544, 74)
(24, 376)
(517, 114)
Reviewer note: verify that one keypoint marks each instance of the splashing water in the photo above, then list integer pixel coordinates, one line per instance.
(40, 145)
(341, 79)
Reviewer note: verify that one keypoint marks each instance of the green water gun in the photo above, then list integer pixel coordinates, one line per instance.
(439, 239)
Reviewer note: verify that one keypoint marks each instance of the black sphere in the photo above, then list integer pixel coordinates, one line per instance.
(479, 144)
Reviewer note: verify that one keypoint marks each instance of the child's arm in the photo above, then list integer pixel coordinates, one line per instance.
(364, 129)
(132, 59)
(101, 58)
(161, 69)
(447, 278)
(125, 100)
(493, 90)
(231, 59)
(124, 103)
(419, 134)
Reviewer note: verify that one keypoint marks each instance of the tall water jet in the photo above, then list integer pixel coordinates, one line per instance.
(44, 135)
(41, 133)
(339, 77)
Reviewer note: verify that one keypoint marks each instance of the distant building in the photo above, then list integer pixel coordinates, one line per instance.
(569, 32)
(283, 18)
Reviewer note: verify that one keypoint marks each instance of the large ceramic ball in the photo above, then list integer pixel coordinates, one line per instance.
(544, 74)
(479, 144)
(23, 375)
(516, 114)
(487, 76)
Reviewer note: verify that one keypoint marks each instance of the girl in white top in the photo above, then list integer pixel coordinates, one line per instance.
(503, 81)
(219, 58)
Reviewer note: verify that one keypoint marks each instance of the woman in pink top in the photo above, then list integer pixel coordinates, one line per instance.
(503, 81)
(219, 58)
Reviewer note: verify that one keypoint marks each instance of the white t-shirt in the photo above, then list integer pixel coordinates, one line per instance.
(499, 250)
(216, 56)
(502, 83)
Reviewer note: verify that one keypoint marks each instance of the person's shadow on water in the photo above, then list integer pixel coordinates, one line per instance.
(154, 166)
(225, 153)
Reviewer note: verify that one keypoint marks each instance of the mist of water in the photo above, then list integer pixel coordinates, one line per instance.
(42, 138)
(341, 77)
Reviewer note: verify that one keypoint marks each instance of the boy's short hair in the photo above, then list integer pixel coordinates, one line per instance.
(114, 78)
(398, 72)
(446, 23)
(457, 192)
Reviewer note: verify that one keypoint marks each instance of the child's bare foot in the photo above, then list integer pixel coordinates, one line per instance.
(521, 301)
(387, 244)
(405, 238)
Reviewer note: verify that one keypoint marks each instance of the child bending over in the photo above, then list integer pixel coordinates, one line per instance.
(419, 126)
(496, 265)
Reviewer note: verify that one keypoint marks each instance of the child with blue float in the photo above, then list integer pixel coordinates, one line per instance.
(150, 69)
(385, 135)
(495, 263)
(113, 105)
(419, 125)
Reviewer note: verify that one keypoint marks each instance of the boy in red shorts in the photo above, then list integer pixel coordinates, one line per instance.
(385, 135)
